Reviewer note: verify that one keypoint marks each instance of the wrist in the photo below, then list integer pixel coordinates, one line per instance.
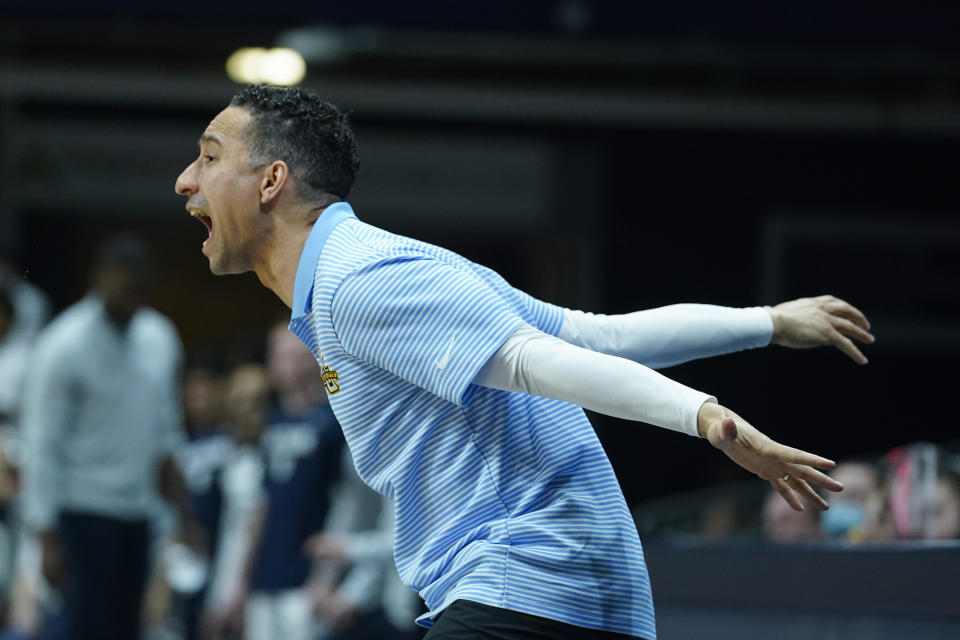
(46, 537)
(775, 319)
(709, 413)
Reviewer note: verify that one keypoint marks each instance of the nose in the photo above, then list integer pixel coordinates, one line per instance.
(187, 182)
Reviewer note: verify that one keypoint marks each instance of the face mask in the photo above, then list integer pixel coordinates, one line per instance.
(842, 518)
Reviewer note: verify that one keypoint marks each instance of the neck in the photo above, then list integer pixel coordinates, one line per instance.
(118, 318)
(278, 270)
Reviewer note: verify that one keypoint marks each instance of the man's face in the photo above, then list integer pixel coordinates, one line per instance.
(289, 362)
(123, 290)
(223, 192)
(945, 523)
(202, 398)
(246, 401)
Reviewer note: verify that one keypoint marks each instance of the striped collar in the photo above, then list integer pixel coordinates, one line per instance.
(306, 268)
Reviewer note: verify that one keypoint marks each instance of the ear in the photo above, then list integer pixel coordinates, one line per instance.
(273, 179)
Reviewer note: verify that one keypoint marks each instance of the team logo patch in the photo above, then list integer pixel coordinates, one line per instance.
(331, 380)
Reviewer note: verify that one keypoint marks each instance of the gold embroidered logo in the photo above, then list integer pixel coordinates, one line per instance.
(330, 378)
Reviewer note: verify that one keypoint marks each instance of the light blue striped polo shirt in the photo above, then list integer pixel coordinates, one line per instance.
(501, 498)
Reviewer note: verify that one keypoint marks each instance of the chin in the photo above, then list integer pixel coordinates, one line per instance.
(220, 267)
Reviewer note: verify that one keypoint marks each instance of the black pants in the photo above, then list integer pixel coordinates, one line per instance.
(466, 620)
(106, 567)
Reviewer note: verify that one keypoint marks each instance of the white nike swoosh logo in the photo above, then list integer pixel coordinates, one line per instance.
(442, 362)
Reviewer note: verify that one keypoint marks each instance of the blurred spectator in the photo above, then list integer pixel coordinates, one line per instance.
(945, 524)
(921, 498)
(355, 588)
(23, 309)
(246, 404)
(721, 519)
(14, 354)
(847, 516)
(16, 339)
(31, 304)
(101, 418)
(301, 447)
(782, 524)
(202, 460)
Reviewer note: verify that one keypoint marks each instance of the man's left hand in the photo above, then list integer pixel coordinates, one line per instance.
(812, 322)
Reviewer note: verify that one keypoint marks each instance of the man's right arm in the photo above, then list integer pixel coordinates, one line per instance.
(535, 363)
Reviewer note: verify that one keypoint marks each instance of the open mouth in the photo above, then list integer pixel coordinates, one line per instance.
(206, 220)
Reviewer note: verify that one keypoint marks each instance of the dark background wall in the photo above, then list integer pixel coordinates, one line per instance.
(600, 155)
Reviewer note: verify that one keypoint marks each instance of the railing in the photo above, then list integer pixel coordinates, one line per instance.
(746, 590)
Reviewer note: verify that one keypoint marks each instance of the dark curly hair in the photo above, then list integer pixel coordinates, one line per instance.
(312, 136)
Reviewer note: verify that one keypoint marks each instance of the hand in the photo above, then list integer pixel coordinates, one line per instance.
(192, 534)
(770, 460)
(52, 562)
(233, 618)
(812, 322)
(326, 546)
(329, 605)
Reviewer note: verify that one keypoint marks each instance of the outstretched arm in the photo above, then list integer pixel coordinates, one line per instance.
(533, 362)
(679, 333)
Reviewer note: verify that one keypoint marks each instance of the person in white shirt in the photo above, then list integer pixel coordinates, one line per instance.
(14, 355)
(101, 418)
(32, 308)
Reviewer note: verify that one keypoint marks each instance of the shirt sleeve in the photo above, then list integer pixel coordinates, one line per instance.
(171, 403)
(422, 320)
(46, 412)
(670, 335)
(533, 362)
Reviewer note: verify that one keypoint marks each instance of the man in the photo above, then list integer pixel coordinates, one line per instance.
(246, 407)
(202, 458)
(369, 602)
(301, 448)
(782, 524)
(101, 419)
(14, 356)
(31, 304)
(847, 518)
(453, 389)
(920, 498)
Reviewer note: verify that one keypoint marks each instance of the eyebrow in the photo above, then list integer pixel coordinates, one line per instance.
(209, 137)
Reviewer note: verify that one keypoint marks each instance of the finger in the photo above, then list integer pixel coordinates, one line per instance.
(813, 476)
(844, 309)
(845, 345)
(807, 492)
(796, 456)
(852, 330)
(787, 494)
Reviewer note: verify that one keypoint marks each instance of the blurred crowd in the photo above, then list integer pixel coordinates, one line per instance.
(910, 493)
(147, 492)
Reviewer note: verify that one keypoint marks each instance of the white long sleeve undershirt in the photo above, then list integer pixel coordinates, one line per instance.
(536, 363)
(666, 336)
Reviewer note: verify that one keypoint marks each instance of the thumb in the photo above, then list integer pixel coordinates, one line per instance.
(726, 434)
